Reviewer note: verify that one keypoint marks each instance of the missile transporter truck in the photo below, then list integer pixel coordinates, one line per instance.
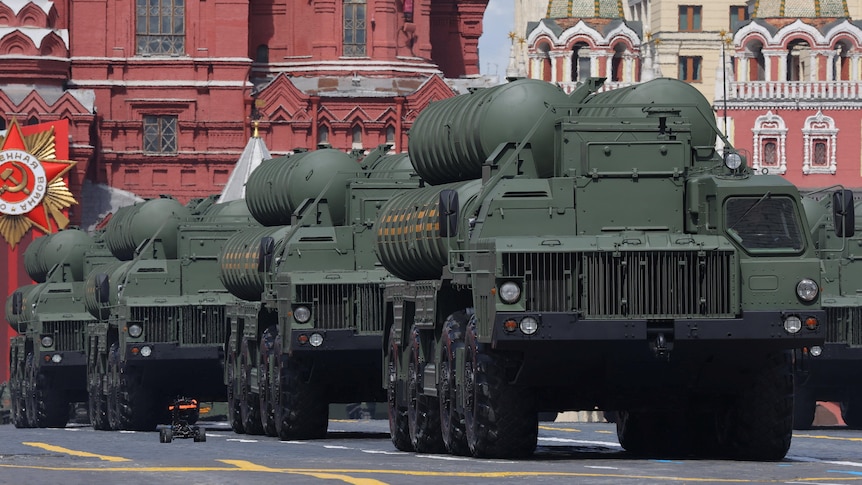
(592, 251)
(309, 329)
(48, 361)
(833, 372)
(161, 327)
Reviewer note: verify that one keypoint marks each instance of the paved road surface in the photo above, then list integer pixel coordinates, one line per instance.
(360, 453)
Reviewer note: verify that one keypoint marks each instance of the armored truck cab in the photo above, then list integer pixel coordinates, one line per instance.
(48, 359)
(163, 328)
(833, 372)
(314, 338)
(616, 267)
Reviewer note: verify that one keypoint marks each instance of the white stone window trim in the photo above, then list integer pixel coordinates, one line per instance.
(770, 125)
(820, 127)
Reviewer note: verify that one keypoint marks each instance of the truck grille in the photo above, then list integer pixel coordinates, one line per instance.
(633, 284)
(195, 324)
(840, 328)
(68, 335)
(204, 325)
(338, 306)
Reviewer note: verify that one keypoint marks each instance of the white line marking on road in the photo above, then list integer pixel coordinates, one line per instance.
(240, 440)
(582, 442)
(336, 447)
(817, 460)
(601, 467)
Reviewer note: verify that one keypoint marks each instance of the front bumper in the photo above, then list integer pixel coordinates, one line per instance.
(761, 327)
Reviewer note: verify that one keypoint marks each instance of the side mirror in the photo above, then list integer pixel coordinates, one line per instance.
(843, 213)
(17, 302)
(102, 289)
(447, 211)
(264, 254)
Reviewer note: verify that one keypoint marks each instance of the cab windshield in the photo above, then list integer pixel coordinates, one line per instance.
(764, 224)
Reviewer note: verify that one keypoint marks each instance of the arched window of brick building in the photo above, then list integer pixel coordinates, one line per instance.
(820, 137)
(756, 61)
(390, 134)
(770, 138)
(842, 60)
(356, 136)
(581, 62)
(323, 134)
(545, 58)
(800, 66)
(617, 62)
(160, 27)
(354, 28)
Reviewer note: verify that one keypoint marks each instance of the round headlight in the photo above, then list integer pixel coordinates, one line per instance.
(529, 325)
(316, 340)
(47, 341)
(510, 292)
(732, 161)
(135, 330)
(792, 324)
(815, 351)
(146, 351)
(302, 314)
(56, 358)
(807, 290)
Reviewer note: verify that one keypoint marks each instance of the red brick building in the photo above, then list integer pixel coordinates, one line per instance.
(160, 94)
(794, 92)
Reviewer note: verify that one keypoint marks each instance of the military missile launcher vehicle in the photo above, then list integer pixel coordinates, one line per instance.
(161, 327)
(592, 251)
(309, 329)
(48, 359)
(833, 372)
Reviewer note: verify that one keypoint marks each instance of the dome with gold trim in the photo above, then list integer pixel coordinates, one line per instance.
(800, 9)
(610, 9)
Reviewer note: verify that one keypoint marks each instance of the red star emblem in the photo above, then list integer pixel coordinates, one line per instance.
(32, 190)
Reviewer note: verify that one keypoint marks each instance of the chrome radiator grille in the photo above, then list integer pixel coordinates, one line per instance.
(840, 326)
(68, 335)
(634, 284)
(338, 306)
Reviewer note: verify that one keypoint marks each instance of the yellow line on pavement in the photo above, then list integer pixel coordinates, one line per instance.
(254, 467)
(553, 428)
(824, 437)
(60, 449)
(340, 474)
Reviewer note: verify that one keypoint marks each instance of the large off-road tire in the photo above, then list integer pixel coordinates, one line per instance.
(113, 385)
(29, 391)
(804, 407)
(17, 396)
(134, 406)
(266, 362)
(301, 409)
(423, 412)
(851, 410)
(500, 419)
(97, 400)
(399, 429)
(249, 402)
(759, 420)
(452, 429)
(233, 399)
(52, 404)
